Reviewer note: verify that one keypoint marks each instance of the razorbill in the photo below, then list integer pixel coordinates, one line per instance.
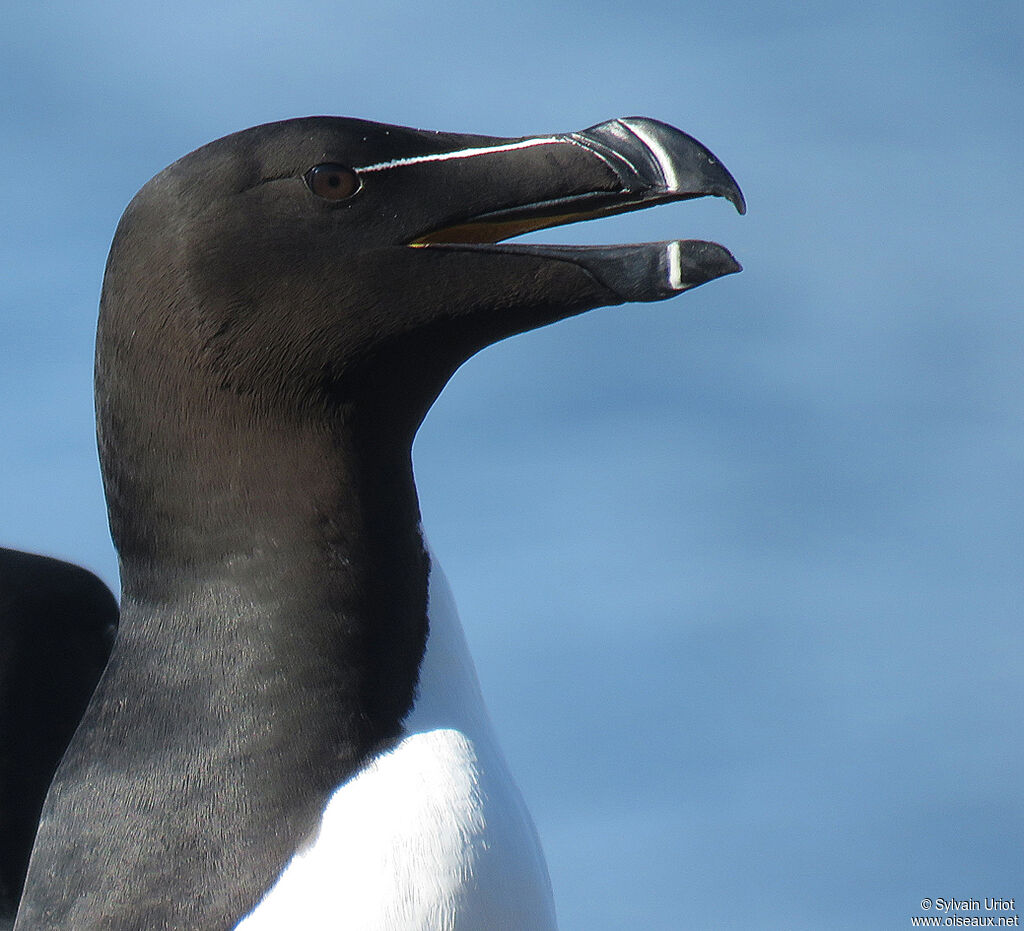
(289, 733)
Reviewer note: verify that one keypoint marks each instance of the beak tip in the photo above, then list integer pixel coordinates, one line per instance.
(694, 262)
(681, 164)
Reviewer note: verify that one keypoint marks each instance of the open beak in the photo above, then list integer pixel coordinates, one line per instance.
(643, 162)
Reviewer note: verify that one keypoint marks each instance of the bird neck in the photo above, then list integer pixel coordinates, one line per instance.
(295, 546)
(262, 669)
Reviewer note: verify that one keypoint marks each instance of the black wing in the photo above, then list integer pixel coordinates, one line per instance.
(57, 624)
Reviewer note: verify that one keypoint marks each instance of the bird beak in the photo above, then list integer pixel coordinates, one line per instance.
(614, 167)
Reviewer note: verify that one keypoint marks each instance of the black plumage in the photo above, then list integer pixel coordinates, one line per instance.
(280, 309)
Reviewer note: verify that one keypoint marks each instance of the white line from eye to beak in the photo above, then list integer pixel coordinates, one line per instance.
(465, 153)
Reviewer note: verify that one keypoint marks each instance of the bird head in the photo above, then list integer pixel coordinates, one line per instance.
(330, 274)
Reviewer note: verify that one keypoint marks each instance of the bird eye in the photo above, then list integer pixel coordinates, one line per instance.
(332, 182)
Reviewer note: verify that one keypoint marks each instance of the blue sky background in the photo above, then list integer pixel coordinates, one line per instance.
(741, 571)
